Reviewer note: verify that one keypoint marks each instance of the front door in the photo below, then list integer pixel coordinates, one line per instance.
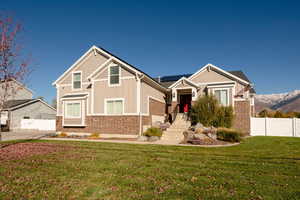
(185, 99)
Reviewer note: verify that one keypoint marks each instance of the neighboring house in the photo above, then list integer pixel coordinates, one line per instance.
(21, 105)
(101, 93)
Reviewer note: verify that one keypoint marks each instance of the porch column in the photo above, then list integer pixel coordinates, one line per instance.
(174, 95)
(194, 94)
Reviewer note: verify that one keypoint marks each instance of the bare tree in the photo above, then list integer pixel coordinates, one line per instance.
(13, 67)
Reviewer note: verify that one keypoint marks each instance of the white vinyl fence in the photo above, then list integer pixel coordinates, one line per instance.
(275, 127)
(39, 124)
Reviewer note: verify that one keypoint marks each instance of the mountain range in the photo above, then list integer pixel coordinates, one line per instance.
(286, 102)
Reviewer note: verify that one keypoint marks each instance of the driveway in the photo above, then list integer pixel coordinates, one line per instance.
(24, 135)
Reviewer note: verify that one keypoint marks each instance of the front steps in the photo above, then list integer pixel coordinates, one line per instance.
(174, 134)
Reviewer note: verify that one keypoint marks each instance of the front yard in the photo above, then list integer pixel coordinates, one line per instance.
(259, 168)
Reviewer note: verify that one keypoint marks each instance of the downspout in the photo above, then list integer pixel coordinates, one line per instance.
(139, 89)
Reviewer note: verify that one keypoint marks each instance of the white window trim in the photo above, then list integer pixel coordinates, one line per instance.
(66, 113)
(120, 69)
(76, 72)
(228, 93)
(114, 99)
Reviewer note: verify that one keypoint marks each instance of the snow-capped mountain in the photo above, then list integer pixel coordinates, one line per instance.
(289, 101)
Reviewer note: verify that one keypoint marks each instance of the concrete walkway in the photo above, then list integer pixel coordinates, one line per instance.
(135, 142)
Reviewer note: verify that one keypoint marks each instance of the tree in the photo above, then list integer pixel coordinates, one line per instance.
(278, 114)
(263, 113)
(12, 65)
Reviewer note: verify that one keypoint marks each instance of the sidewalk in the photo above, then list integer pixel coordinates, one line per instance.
(24, 135)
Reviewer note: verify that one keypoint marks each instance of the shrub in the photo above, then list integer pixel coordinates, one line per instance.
(62, 134)
(229, 135)
(224, 117)
(207, 111)
(153, 131)
(204, 110)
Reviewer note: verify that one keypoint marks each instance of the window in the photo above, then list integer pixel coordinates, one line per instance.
(77, 80)
(114, 75)
(73, 110)
(114, 107)
(222, 96)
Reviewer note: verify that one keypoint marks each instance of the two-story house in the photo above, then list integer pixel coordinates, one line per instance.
(101, 93)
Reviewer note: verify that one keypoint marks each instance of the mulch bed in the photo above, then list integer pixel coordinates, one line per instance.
(93, 138)
(208, 141)
(22, 150)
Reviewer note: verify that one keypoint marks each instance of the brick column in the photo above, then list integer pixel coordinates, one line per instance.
(242, 111)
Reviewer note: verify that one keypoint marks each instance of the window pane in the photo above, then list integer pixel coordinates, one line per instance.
(77, 77)
(77, 80)
(118, 107)
(114, 107)
(109, 108)
(77, 84)
(114, 79)
(73, 109)
(218, 96)
(222, 97)
(69, 109)
(114, 70)
(76, 109)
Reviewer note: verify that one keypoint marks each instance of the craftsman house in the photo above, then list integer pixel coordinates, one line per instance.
(101, 93)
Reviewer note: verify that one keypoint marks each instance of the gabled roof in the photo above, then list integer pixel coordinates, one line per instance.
(185, 80)
(15, 104)
(117, 59)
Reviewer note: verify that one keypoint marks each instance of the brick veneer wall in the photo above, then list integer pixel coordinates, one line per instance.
(106, 125)
(156, 107)
(115, 124)
(242, 116)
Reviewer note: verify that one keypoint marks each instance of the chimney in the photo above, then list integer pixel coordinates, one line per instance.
(159, 79)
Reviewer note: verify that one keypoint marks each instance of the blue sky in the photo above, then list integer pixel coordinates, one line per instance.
(165, 37)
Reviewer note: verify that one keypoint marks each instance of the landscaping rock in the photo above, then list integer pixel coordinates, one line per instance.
(198, 125)
(199, 130)
(212, 135)
(142, 138)
(199, 136)
(153, 138)
(188, 135)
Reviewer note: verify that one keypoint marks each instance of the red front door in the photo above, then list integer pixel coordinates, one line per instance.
(185, 101)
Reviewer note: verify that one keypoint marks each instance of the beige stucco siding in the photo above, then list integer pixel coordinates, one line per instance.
(103, 74)
(146, 91)
(183, 84)
(64, 90)
(127, 90)
(87, 66)
(209, 77)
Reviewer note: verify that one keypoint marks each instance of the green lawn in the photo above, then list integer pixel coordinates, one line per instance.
(259, 168)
